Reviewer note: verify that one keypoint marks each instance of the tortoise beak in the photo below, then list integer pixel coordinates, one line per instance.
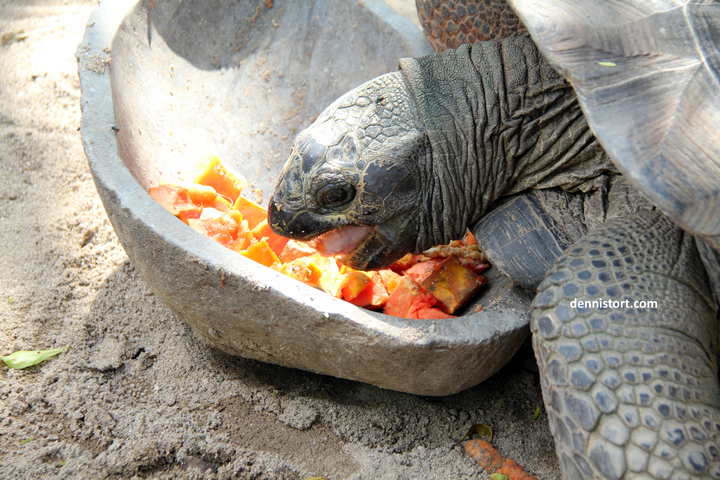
(298, 226)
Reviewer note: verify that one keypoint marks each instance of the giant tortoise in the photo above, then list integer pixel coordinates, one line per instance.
(585, 158)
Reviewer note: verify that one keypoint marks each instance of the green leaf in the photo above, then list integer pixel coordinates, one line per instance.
(479, 428)
(536, 415)
(26, 441)
(62, 464)
(24, 359)
(498, 476)
(607, 64)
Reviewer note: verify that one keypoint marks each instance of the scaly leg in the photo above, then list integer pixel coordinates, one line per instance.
(631, 389)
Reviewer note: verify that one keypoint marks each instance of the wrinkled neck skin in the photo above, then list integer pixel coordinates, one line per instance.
(499, 121)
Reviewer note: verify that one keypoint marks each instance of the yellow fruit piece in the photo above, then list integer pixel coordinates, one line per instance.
(201, 194)
(453, 284)
(303, 269)
(294, 249)
(276, 242)
(354, 282)
(222, 230)
(261, 253)
(390, 279)
(244, 238)
(331, 281)
(176, 201)
(251, 211)
(225, 182)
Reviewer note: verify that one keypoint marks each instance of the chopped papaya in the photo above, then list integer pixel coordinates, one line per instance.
(303, 269)
(469, 239)
(238, 245)
(420, 271)
(427, 286)
(374, 295)
(431, 313)
(214, 174)
(202, 195)
(354, 282)
(331, 281)
(294, 249)
(176, 201)
(276, 242)
(232, 214)
(244, 237)
(222, 228)
(390, 279)
(206, 196)
(475, 265)
(188, 215)
(261, 252)
(410, 300)
(404, 263)
(452, 284)
(251, 211)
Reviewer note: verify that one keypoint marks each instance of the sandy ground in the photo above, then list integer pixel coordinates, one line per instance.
(136, 395)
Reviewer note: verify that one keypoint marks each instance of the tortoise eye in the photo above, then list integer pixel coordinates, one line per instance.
(334, 195)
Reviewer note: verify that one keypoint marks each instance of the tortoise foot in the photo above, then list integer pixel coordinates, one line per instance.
(630, 378)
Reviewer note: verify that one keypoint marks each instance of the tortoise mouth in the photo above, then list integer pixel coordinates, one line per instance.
(342, 241)
(360, 247)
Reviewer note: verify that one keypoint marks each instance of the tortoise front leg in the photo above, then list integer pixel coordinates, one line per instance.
(631, 389)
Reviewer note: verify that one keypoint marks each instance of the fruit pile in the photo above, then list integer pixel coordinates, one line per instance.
(429, 286)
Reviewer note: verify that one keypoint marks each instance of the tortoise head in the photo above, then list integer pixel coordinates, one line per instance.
(353, 181)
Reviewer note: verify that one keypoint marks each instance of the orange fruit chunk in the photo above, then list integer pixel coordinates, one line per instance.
(390, 279)
(205, 196)
(420, 271)
(410, 300)
(413, 287)
(374, 295)
(221, 228)
(330, 280)
(469, 239)
(214, 174)
(251, 211)
(261, 253)
(176, 201)
(404, 263)
(430, 313)
(475, 265)
(294, 249)
(452, 284)
(276, 242)
(354, 282)
(244, 237)
(303, 269)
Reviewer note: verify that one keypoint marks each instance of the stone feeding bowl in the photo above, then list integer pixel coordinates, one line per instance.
(165, 83)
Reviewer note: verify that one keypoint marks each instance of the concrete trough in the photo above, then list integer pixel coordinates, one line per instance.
(167, 83)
